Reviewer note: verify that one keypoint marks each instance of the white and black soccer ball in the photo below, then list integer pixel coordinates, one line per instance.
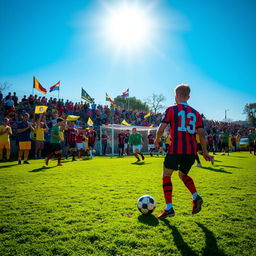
(146, 204)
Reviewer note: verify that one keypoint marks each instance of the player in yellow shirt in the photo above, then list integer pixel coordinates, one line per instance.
(40, 128)
(5, 132)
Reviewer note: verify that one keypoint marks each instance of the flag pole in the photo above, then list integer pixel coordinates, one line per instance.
(33, 86)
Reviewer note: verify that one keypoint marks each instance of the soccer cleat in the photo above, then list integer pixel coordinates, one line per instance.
(197, 205)
(26, 162)
(138, 161)
(199, 165)
(142, 156)
(165, 214)
(19, 162)
(46, 161)
(59, 164)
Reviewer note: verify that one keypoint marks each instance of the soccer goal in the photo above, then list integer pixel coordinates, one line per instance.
(112, 132)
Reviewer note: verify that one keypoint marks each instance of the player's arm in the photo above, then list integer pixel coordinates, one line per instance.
(9, 130)
(159, 133)
(201, 133)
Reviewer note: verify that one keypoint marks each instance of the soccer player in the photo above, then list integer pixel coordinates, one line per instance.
(135, 140)
(121, 138)
(23, 129)
(80, 143)
(104, 142)
(91, 139)
(40, 129)
(126, 143)
(151, 145)
(224, 142)
(184, 122)
(5, 133)
(71, 139)
(55, 142)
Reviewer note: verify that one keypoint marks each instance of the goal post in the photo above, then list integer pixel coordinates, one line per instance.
(112, 132)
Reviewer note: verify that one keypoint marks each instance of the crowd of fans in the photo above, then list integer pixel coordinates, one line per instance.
(14, 108)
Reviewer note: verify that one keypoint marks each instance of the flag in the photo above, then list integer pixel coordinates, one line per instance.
(86, 96)
(72, 118)
(55, 87)
(40, 109)
(125, 123)
(38, 86)
(111, 101)
(151, 125)
(125, 94)
(90, 122)
(147, 115)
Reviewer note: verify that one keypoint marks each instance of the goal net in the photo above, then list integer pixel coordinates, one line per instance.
(112, 132)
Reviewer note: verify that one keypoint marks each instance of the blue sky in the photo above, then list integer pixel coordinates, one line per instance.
(208, 44)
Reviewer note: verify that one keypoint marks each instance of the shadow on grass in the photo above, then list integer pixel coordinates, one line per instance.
(7, 165)
(211, 247)
(140, 163)
(43, 168)
(228, 166)
(149, 220)
(181, 245)
(216, 170)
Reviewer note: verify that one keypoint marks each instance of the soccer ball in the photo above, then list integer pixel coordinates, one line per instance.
(146, 204)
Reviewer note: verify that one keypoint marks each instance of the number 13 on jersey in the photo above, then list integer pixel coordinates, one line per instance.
(183, 117)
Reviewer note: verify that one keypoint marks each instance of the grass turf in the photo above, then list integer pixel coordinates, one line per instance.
(89, 207)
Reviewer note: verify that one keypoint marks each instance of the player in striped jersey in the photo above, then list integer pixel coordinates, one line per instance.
(184, 123)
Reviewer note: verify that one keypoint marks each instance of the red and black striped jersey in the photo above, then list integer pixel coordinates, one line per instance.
(151, 139)
(71, 135)
(121, 138)
(183, 120)
(91, 136)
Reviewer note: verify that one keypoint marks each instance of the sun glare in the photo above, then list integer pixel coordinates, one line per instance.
(127, 27)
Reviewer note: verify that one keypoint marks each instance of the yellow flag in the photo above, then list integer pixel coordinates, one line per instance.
(147, 115)
(125, 123)
(40, 109)
(72, 118)
(90, 122)
(151, 125)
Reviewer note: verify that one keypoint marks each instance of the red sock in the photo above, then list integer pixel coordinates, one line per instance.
(59, 158)
(189, 183)
(167, 187)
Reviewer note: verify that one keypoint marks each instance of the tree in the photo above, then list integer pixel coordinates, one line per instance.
(250, 111)
(5, 86)
(155, 102)
(131, 103)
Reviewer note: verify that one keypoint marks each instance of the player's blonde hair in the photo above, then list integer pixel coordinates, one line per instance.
(182, 90)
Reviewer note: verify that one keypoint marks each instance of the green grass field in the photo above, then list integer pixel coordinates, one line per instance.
(90, 207)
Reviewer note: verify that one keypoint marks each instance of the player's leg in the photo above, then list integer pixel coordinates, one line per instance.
(26, 153)
(58, 156)
(135, 152)
(170, 163)
(186, 162)
(8, 151)
(139, 151)
(1, 150)
(198, 161)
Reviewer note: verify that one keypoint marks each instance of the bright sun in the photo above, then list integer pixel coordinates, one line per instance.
(127, 27)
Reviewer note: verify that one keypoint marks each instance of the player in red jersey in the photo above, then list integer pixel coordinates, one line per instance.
(71, 139)
(151, 139)
(80, 143)
(184, 122)
(121, 141)
(91, 139)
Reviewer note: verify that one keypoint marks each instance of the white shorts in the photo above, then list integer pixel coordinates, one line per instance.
(137, 147)
(80, 145)
(151, 146)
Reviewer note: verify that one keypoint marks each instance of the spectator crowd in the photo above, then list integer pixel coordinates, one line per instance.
(13, 108)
